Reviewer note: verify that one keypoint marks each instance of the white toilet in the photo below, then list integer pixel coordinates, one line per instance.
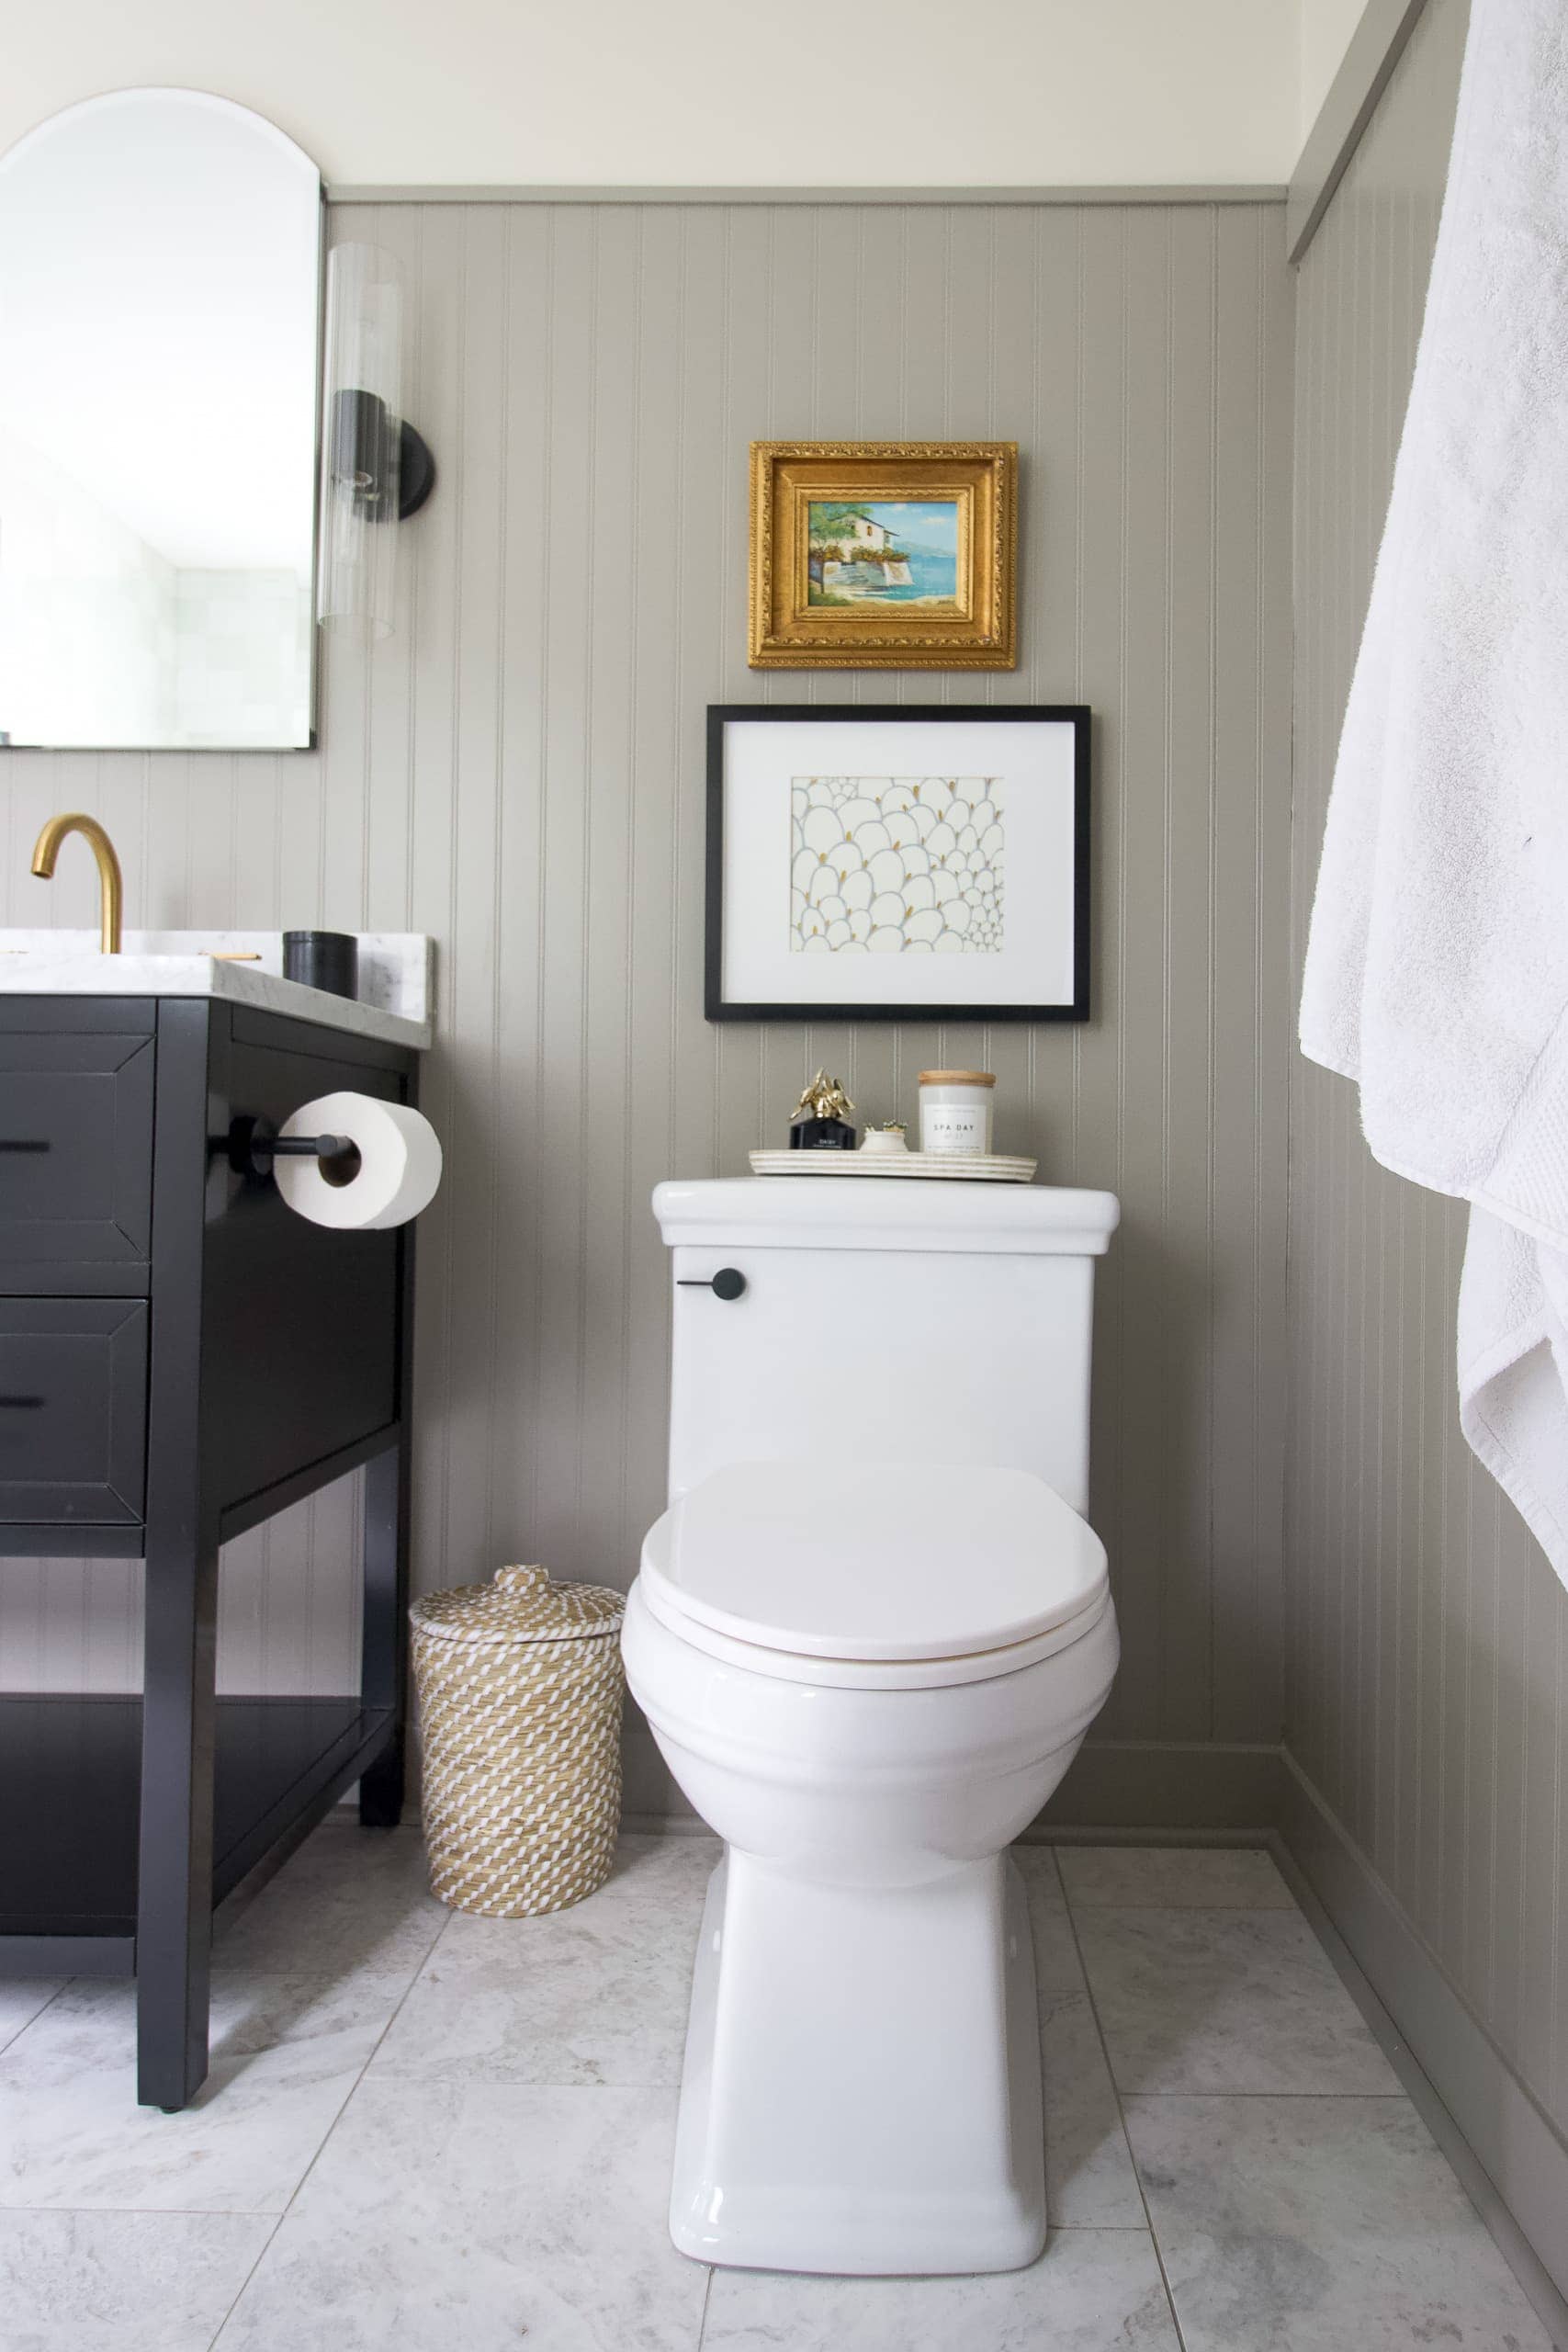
(869, 1635)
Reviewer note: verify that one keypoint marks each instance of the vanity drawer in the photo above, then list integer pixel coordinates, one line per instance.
(75, 1138)
(72, 1411)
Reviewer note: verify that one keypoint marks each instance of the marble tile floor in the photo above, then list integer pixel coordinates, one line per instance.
(423, 2130)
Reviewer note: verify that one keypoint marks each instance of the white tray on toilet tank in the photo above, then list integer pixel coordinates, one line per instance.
(969, 1167)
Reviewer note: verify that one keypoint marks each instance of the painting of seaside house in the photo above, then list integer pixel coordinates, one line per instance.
(899, 553)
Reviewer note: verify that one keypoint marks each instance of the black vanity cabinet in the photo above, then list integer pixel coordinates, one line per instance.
(180, 1357)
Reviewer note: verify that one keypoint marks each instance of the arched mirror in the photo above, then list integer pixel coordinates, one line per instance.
(160, 324)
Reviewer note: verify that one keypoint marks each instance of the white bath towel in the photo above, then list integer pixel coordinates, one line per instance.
(1436, 970)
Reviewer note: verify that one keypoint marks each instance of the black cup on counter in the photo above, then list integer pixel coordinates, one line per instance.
(322, 959)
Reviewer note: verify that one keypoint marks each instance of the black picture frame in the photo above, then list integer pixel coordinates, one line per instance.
(725, 715)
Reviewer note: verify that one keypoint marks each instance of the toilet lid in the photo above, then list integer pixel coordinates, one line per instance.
(875, 1561)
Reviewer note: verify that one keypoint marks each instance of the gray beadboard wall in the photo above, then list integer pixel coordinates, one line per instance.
(1428, 1637)
(519, 771)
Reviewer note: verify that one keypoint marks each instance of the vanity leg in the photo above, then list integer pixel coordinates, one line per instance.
(179, 1708)
(384, 1665)
(174, 1927)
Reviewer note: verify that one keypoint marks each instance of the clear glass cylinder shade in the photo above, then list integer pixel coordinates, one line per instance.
(361, 431)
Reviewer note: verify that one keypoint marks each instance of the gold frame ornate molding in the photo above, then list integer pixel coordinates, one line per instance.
(787, 632)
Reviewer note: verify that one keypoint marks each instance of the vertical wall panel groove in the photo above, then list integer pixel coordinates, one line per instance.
(1426, 1632)
(519, 771)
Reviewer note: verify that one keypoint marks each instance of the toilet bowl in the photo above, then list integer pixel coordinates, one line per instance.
(867, 1679)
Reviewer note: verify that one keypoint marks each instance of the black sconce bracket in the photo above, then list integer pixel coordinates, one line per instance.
(417, 471)
(360, 454)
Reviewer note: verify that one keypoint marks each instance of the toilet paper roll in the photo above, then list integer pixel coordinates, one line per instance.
(400, 1164)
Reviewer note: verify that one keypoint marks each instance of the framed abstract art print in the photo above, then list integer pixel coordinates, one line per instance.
(891, 862)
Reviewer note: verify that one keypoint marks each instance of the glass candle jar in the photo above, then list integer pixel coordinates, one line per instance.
(955, 1110)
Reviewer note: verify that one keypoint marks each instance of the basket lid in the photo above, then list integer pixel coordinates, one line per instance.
(520, 1604)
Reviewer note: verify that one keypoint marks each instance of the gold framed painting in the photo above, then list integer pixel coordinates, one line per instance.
(884, 555)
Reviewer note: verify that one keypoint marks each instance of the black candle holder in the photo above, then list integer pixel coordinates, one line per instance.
(322, 959)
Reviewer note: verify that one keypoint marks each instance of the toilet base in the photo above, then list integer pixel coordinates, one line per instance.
(862, 2084)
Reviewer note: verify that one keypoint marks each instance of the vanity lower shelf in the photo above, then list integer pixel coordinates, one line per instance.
(70, 1769)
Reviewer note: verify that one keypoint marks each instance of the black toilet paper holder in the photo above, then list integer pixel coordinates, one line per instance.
(252, 1143)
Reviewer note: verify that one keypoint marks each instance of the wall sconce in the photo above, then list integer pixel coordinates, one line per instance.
(376, 470)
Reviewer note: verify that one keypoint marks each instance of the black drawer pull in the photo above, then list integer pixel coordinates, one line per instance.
(20, 1404)
(728, 1283)
(7, 1145)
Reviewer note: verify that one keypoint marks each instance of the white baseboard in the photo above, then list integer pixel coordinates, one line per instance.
(1518, 2160)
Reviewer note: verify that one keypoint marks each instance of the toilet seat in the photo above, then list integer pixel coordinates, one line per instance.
(864, 1674)
(875, 1575)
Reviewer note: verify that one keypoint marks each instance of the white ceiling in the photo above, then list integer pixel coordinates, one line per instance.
(722, 92)
(1325, 29)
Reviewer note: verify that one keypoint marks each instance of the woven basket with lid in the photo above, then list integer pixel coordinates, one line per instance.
(520, 1689)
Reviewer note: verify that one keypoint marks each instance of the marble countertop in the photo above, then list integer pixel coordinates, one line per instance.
(396, 975)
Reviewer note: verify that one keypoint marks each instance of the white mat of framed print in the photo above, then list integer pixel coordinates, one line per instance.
(886, 862)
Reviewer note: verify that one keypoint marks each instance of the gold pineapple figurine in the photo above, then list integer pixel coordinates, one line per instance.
(823, 1098)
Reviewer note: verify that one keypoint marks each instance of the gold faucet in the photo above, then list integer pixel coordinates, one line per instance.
(46, 849)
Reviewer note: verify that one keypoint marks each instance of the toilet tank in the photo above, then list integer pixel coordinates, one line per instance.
(883, 1319)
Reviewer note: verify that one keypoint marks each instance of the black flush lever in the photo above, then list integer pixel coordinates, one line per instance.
(728, 1283)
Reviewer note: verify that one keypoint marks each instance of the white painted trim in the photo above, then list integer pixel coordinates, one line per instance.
(1221, 192)
(1520, 2159)
(1376, 46)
